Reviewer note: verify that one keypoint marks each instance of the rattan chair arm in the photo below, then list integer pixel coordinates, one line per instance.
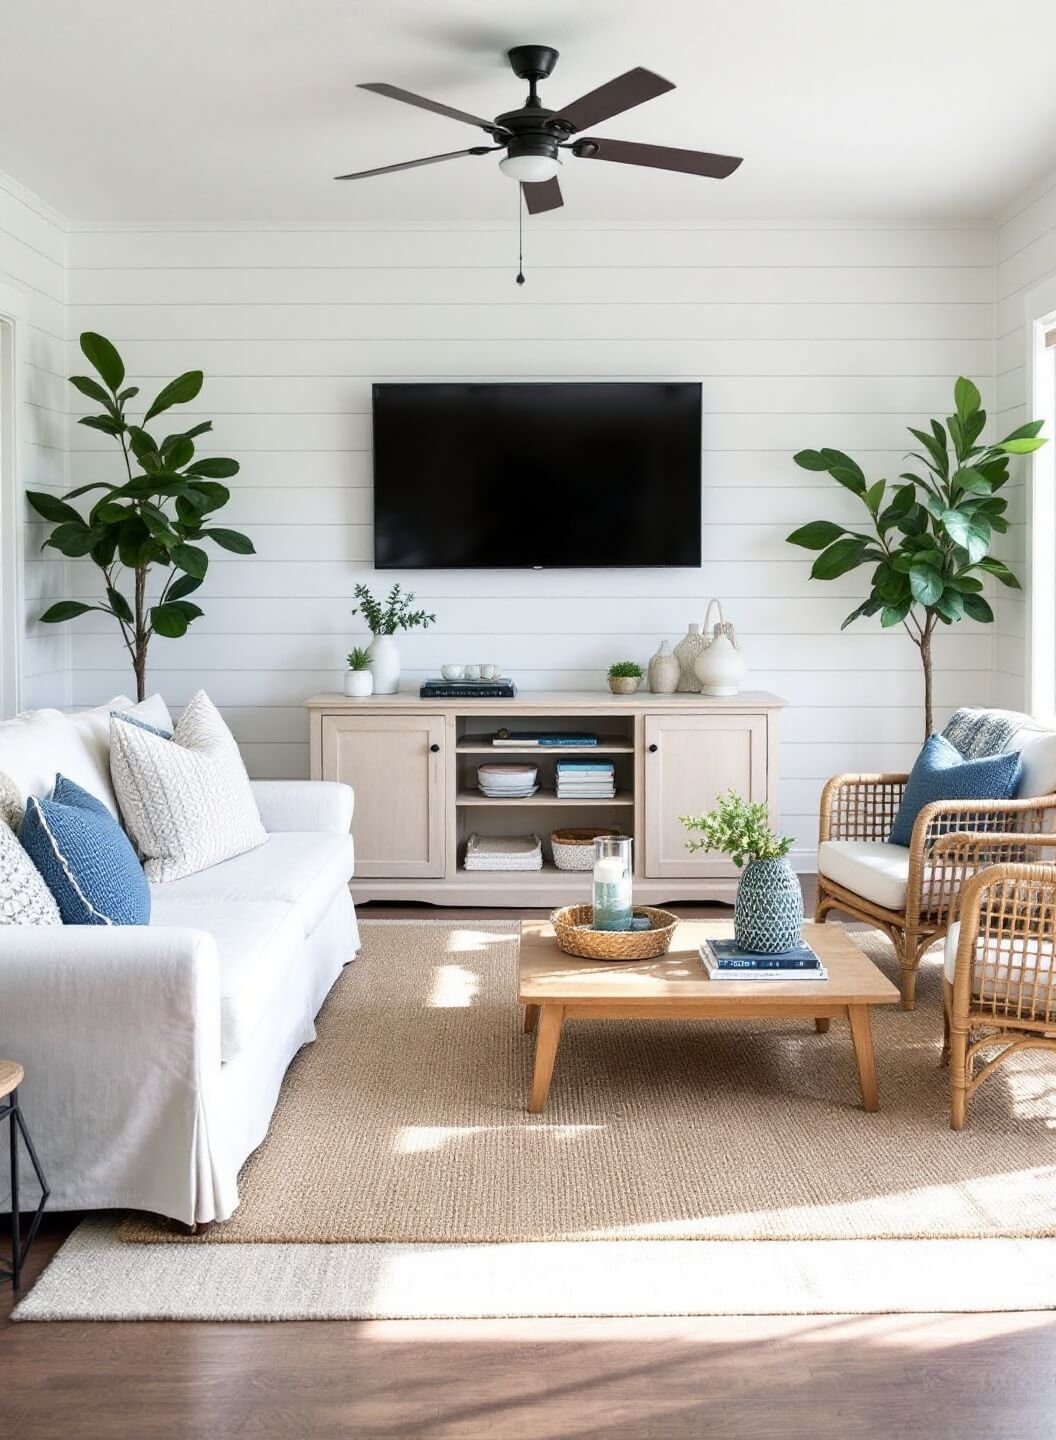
(972, 899)
(933, 892)
(958, 856)
(832, 793)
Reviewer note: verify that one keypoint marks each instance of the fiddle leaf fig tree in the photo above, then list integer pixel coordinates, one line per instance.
(145, 530)
(927, 538)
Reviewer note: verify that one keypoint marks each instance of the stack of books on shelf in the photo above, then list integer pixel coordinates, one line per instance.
(504, 852)
(508, 782)
(585, 779)
(724, 960)
(552, 742)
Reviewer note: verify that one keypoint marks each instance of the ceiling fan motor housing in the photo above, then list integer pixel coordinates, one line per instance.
(532, 62)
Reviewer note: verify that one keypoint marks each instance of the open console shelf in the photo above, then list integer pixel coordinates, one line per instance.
(413, 765)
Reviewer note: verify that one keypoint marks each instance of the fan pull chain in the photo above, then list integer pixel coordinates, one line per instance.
(520, 236)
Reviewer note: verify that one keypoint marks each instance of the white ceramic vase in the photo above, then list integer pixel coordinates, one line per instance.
(359, 684)
(385, 665)
(720, 668)
(664, 671)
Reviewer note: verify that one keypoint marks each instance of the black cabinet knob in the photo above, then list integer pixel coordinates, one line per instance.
(653, 749)
(434, 748)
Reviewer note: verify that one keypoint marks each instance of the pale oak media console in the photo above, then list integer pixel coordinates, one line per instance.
(413, 764)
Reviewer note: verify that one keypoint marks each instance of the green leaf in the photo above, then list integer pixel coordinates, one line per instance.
(192, 612)
(1001, 570)
(971, 531)
(53, 509)
(894, 614)
(905, 497)
(848, 479)
(214, 467)
(844, 462)
(94, 391)
(127, 394)
(134, 544)
(1028, 431)
(101, 354)
(168, 620)
(103, 423)
(181, 586)
(190, 559)
(914, 521)
(939, 459)
(874, 495)
(978, 609)
(104, 550)
(180, 454)
(816, 535)
(65, 610)
(950, 605)
(970, 481)
(811, 460)
(862, 609)
(140, 443)
(965, 583)
(119, 605)
(208, 495)
(72, 540)
(926, 584)
(180, 391)
(1020, 447)
(973, 428)
(86, 489)
(966, 397)
(844, 555)
(232, 540)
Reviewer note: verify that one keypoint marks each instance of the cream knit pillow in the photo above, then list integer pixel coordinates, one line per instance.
(187, 801)
(24, 897)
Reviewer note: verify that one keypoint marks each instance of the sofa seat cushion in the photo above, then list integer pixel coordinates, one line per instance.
(873, 869)
(304, 869)
(257, 944)
(1021, 974)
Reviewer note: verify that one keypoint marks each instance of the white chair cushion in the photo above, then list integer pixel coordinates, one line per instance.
(304, 869)
(1030, 957)
(872, 869)
(1038, 754)
(187, 801)
(257, 945)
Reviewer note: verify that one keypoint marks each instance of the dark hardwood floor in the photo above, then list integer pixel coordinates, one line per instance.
(787, 1377)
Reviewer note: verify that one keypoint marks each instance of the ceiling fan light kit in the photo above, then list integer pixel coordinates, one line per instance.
(533, 135)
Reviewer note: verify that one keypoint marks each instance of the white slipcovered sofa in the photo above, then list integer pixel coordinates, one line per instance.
(154, 1054)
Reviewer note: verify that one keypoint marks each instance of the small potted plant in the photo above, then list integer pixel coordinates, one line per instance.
(383, 619)
(768, 911)
(359, 682)
(624, 677)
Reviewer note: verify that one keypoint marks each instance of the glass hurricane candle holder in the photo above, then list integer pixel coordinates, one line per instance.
(612, 882)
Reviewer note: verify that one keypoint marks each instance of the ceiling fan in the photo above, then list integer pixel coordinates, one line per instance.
(533, 136)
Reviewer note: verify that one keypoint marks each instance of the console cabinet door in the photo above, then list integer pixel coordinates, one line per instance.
(689, 760)
(395, 764)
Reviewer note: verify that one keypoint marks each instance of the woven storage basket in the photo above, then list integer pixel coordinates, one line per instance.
(574, 849)
(613, 944)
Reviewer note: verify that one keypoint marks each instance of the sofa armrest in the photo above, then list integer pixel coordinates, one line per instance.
(860, 807)
(304, 805)
(118, 1028)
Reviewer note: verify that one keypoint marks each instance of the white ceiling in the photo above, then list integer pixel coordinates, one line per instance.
(242, 110)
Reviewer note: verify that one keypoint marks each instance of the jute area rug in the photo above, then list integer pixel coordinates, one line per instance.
(406, 1121)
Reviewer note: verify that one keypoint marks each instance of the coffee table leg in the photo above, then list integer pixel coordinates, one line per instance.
(548, 1033)
(822, 1024)
(862, 1036)
(531, 1015)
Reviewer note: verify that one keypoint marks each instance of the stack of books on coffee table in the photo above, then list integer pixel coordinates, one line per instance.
(724, 960)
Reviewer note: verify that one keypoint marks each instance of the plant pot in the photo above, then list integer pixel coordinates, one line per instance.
(359, 684)
(385, 665)
(624, 684)
(768, 911)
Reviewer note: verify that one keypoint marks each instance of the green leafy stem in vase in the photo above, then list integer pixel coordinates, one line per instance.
(739, 829)
(392, 614)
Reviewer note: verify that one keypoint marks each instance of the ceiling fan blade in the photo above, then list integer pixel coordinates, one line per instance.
(658, 157)
(413, 164)
(623, 93)
(542, 195)
(409, 98)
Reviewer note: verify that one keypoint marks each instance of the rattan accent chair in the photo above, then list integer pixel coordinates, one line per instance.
(1000, 967)
(914, 901)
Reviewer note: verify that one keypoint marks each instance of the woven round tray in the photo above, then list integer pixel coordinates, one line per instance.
(573, 849)
(613, 944)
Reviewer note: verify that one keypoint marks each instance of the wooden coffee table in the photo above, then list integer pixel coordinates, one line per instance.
(555, 987)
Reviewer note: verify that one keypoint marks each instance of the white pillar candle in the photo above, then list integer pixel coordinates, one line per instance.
(608, 870)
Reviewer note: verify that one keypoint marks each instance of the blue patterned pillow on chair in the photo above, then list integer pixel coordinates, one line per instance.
(86, 859)
(942, 773)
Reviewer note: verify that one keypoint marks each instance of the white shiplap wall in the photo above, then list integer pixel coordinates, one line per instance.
(33, 276)
(801, 336)
(1025, 257)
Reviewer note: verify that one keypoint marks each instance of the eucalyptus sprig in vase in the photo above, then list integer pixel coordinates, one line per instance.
(384, 618)
(768, 911)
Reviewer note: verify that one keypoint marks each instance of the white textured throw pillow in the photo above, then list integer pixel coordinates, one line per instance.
(187, 801)
(24, 897)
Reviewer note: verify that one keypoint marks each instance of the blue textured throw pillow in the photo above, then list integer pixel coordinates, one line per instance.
(942, 773)
(86, 859)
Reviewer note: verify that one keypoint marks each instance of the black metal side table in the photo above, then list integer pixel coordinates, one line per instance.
(11, 1076)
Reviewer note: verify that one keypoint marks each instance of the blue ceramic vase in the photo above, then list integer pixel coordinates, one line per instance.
(768, 911)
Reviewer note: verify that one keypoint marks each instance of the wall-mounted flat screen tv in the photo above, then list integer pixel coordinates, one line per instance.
(497, 475)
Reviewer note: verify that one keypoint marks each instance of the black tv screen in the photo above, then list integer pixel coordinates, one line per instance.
(502, 475)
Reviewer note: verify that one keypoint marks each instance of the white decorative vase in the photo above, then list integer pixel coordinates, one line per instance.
(686, 652)
(385, 665)
(359, 684)
(720, 668)
(664, 671)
